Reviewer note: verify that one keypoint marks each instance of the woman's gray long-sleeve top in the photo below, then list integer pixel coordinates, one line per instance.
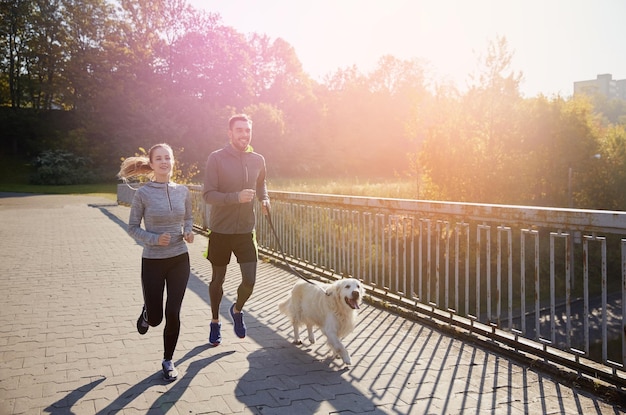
(163, 207)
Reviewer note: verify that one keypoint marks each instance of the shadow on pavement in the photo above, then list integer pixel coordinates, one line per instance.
(400, 366)
(64, 406)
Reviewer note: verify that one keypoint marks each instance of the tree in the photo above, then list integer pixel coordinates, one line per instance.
(13, 45)
(282, 84)
(398, 87)
(602, 186)
(467, 152)
(613, 109)
(88, 26)
(213, 62)
(365, 117)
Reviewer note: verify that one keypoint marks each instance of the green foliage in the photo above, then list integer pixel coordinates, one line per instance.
(58, 167)
(468, 147)
(99, 79)
(492, 146)
(602, 186)
(14, 170)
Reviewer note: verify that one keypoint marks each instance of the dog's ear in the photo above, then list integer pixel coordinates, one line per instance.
(333, 289)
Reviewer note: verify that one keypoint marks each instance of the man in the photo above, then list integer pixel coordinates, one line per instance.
(233, 175)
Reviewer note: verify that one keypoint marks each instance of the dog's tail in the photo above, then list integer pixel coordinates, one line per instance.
(284, 306)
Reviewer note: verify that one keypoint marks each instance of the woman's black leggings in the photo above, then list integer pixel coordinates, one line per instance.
(156, 274)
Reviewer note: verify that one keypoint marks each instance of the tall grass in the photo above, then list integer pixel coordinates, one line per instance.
(14, 178)
(388, 189)
(400, 189)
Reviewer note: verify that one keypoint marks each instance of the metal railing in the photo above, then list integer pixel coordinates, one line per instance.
(550, 282)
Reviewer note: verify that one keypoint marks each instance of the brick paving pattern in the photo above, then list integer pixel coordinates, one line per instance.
(70, 296)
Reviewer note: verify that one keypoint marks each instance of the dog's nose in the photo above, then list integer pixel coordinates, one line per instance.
(355, 295)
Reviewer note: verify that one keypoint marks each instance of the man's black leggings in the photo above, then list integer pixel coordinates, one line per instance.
(156, 274)
(244, 291)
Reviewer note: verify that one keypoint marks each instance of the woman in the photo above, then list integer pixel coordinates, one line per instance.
(165, 208)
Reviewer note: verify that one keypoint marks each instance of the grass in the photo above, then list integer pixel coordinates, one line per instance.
(400, 189)
(391, 189)
(14, 178)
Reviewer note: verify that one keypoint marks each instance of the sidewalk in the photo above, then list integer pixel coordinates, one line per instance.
(70, 296)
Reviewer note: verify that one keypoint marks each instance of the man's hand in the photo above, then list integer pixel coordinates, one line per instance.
(246, 195)
(266, 207)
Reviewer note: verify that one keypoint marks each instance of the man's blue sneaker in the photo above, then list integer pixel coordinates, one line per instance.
(215, 335)
(240, 326)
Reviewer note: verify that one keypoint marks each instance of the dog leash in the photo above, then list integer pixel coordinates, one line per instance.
(282, 252)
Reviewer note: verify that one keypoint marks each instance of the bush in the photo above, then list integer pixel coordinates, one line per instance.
(59, 167)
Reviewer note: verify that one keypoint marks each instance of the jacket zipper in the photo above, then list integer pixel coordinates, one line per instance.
(167, 190)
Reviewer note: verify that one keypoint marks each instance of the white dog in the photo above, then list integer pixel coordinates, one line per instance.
(331, 307)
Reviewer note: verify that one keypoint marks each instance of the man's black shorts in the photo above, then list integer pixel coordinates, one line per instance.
(221, 246)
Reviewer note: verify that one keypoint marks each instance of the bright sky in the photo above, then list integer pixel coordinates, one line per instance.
(554, 42)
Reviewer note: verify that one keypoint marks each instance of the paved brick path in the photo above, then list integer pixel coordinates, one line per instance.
(70, 296)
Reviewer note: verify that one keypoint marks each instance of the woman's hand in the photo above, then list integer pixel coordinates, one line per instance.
(164, 239)
(188, 237)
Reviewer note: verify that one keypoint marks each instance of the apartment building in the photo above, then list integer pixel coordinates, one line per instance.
(603, 85)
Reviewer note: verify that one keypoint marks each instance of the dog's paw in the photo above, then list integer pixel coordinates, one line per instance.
(297, 342)
(345, 356)
(346, 362)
